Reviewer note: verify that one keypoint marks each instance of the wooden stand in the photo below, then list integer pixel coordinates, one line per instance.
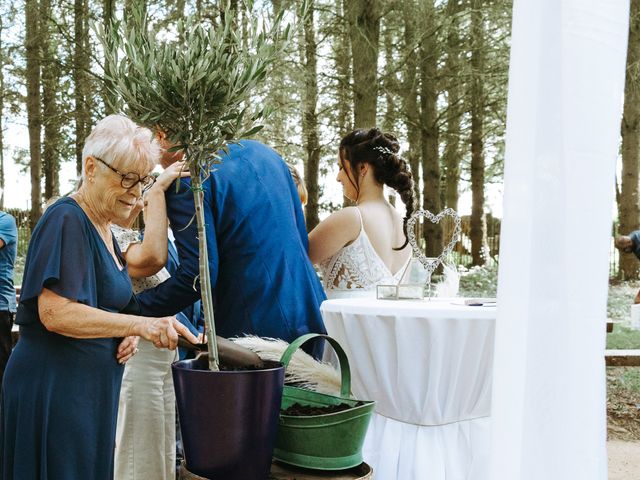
(281, 471)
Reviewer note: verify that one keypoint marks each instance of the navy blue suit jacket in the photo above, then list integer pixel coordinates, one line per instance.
(263, 281)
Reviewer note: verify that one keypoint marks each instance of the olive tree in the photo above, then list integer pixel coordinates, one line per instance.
(194, 84)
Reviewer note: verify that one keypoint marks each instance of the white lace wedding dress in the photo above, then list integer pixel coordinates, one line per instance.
(356, 269)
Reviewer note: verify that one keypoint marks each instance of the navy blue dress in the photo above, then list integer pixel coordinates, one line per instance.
(60, 394)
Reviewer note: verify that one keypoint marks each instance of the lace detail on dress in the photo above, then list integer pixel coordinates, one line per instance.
(356, 267)
(124, 238)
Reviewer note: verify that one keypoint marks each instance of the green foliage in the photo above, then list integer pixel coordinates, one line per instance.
(623, 338)
(619, 310)
(479, 281)
(619, 301)
(630, 379)
(18, 270)
(193, 83)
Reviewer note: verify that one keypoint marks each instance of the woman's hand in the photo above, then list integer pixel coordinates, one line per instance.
(163, 332)
(166, 178)
(128, 348)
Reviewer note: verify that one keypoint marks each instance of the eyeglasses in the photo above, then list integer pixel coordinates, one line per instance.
(131, 179)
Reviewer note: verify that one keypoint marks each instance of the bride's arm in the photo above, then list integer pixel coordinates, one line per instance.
(337, 230)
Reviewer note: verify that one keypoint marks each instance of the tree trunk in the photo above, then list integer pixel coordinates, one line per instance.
(34, 119)
(50, 108)
(410, 93)
(344, 93)
(478, 226)
(108, 15)
(629, 205)
(364, 29)
(80, 79)
(452, 154)
(342, 48)
(390, 82)
(429, 129)
(2, 86)
(310, 120)
(205, 278)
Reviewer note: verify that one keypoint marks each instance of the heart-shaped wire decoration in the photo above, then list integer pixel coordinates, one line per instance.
(431, 264)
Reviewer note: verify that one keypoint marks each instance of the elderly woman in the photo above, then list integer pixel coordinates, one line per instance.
(146, 433)
(77, 319)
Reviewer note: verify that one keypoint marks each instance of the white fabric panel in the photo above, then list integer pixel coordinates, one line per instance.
(566, 85)
(427, 364)
(456, 451)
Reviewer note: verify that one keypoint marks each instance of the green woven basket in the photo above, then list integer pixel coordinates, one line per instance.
(326, 442)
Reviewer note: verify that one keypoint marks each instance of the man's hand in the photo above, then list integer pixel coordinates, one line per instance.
(624, 244)
(637, 299)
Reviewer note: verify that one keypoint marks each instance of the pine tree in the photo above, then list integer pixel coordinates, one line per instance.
(364, 29)
(310, 119)
(629, 202)
(33, 78)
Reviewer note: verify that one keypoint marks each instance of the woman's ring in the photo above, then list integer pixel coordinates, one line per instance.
(135, 351)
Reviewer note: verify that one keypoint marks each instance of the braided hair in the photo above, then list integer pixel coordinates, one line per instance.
(380, 150)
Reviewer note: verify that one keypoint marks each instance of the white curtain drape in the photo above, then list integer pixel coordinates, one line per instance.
(566, 85)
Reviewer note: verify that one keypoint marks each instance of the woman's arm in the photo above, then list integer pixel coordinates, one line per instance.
(148, 258)
(337, 230)
(72, 319)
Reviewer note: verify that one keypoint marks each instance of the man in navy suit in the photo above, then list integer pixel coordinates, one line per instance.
(263, 282)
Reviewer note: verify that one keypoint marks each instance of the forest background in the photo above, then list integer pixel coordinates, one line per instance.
(432, 72)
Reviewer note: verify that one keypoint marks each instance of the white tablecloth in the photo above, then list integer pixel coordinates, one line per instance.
(427, 364)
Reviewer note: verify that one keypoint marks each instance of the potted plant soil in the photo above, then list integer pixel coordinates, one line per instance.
(194, 85)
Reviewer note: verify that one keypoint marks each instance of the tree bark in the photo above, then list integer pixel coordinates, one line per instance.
(50, 108)
(81, 67)
(310, 121)
(629, 204)
(344, 91)
(364, 29)
(34, 118)
(452, 154)
(429, 129)
(410, 92)
(2, 93)
(342, 49)
(390, 82)
(108, 16)
(478, 226)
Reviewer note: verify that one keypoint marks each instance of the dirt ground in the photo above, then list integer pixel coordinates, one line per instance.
(623, 420)
(623, 407)
(624, 460)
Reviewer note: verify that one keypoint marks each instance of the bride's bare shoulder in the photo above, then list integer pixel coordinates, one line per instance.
(345, 215)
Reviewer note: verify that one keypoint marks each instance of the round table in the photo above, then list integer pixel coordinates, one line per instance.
(427, 364)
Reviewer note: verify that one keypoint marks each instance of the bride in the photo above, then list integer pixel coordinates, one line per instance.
(360, 247)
